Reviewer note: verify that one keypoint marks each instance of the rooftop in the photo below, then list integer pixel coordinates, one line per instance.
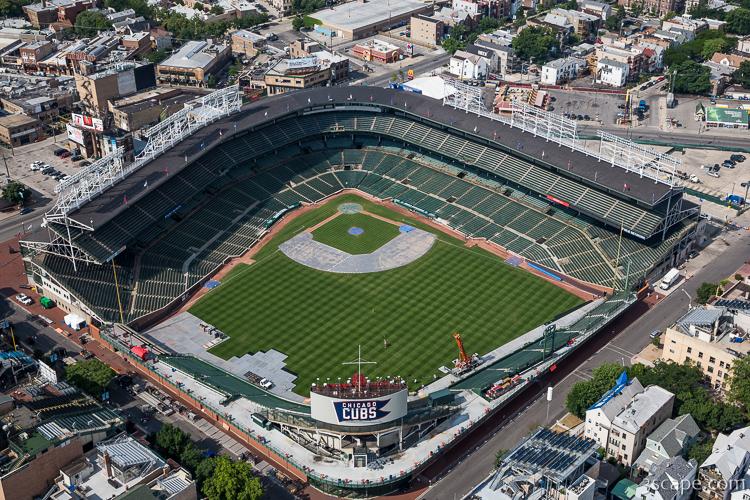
(642, 408)
(16, 120)
(249, 35)
(356, 15)
(727, 115)
(194, 54)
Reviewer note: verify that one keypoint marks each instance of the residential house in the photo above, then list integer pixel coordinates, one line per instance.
(689, 26)
(722, 472)
(504, 56)
(562, 70)
(671, 439)
(743, 45)
(489, 55)
(612, 73)
(468, 66)
(731, 61)
(672, 479)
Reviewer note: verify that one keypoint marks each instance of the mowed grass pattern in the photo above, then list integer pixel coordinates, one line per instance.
(318, 319)
(335, 233)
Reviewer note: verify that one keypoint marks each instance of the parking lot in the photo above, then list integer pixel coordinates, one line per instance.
(698, 161)
(19, 161)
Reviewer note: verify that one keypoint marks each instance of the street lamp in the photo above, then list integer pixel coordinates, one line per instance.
(690, 299)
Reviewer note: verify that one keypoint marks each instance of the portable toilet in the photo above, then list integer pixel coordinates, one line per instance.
(47, 303)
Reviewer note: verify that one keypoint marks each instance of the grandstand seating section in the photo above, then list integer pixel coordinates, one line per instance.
(220, 202)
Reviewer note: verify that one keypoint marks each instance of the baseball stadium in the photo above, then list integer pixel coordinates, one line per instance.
(350, 279)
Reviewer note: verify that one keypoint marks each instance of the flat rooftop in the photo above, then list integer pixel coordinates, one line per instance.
(194, 54)
(356, 15)
(16, 120)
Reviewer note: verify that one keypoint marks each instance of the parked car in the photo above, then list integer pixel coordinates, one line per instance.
(60, 151)
(737, 158)
(728, 164)
(37, 165)
(76, 158)
(694, 179)
(25, 210)
(654, 334)
(24, 299)
(714, 173)
(65, 154)
(84, 163)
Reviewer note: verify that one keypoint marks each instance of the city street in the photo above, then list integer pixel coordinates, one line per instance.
(631, 336)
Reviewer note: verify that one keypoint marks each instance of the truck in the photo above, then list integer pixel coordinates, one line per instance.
(669, 279)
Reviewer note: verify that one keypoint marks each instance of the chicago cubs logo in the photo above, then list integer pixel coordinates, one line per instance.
(347, 411)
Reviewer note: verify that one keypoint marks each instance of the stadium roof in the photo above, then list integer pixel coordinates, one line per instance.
(563, 161)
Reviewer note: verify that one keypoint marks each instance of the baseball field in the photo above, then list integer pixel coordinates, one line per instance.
(403, 318)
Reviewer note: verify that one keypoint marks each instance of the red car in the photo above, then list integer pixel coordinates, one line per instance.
(65, 154)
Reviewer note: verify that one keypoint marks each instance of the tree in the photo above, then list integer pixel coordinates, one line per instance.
(739, 388)
(205, 469)
(614, 21)
(16, 192)
(669, 15)
(710, 47)
(91, 22)
(537, 43)
(520, 18)
(191, 456)
(691, 78)
(217, 10)
(738, 21)
(13, 8)
(232, 481)
(91, 376)
(700, 451)
(580, 398)
(742, 75)
(489, 24)
(298, 23)
(706, 291)
(171, 441)
(157, 56)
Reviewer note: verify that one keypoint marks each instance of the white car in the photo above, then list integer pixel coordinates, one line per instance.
(37, 165)
(24, 299)
(265, 383)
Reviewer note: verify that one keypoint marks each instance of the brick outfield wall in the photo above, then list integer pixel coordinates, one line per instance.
(195, 405)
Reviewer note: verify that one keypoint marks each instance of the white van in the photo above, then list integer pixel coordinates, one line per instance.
(669, 279)
(265, 383)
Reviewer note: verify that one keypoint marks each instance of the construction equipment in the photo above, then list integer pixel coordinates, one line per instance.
(464, 362)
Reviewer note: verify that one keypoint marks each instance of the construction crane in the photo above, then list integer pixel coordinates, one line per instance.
(464, 361)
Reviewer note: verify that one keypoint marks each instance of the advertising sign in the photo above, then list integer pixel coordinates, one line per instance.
(88, 122)
(358, 412)
(74, 134)
(47, 373)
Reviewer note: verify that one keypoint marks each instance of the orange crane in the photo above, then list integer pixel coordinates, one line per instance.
(463, 359)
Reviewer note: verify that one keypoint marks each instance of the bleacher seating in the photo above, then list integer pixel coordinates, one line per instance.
(225, 199)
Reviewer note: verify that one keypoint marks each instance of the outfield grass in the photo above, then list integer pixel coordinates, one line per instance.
(318, 319)
(376, 233)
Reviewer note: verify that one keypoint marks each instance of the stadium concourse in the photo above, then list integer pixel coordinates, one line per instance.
(132, 251)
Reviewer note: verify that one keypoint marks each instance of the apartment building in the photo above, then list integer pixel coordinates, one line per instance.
(426, 30)
(658, 8)
(707, 336)
(689, 26)
(644, 413)
(611, 72)
(671, 439)
(294, 74)
(47, 12)
(504, 55)
(600, 416)
(247, 43)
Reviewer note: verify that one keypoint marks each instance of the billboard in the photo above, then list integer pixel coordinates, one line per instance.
(358, 412)
(88, 122)
(47, 373)
(74, 134)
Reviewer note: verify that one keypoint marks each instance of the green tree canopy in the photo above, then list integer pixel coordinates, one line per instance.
(16, 192)
(742, 75)
(691, 78)
(710, 47)
(614, 20)
(140, 7)
(700, 451)
(738, 21)
(706, 291)
(90, 22)
(488, 24)
(537, 43)
(171, 440)
(739, 390)
(91, 376)
(13, 8)
(298, 23)
(232, 481)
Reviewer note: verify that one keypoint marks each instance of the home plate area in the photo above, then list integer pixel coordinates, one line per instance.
(408, 246)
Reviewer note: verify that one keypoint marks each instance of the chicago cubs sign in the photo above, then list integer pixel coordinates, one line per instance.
(358, 412)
